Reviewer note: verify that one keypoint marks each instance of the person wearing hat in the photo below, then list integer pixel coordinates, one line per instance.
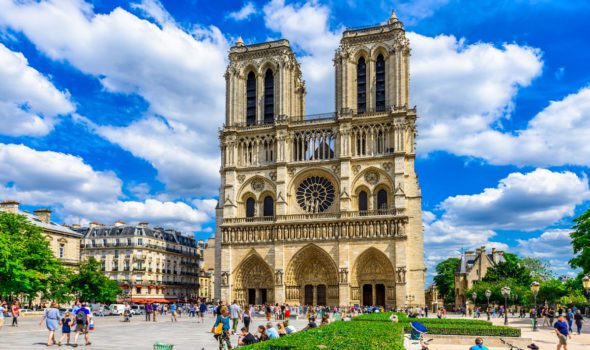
(478, 345)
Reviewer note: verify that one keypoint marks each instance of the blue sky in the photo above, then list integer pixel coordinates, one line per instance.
(109, 110)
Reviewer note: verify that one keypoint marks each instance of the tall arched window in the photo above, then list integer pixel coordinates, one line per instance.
(382, 200)
(361, 85)
(363, 201)
(250, 204)
(251, 99)
(269, 105)
(268, 206)
(380, 84)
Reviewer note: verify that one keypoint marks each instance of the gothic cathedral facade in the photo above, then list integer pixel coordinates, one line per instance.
(322, 209)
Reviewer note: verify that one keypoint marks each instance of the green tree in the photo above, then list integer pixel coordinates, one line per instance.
(581, 242)
(27, 264)
(92, 285)
(511, 268)
(551, 291)
(539, 270)
(516, 289)
(445, 278)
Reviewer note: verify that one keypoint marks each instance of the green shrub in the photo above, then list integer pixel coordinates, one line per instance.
(340, 335)
(478, 330)
(403, 318)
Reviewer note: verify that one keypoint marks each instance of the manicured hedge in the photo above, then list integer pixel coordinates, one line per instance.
(478, 330)
(340, 335)
(384, 317)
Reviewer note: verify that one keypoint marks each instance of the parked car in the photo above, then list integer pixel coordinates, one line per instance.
(117, 309)
(138, 309)
(99, 310)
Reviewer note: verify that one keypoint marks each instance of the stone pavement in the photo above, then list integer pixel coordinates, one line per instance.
(111, 334)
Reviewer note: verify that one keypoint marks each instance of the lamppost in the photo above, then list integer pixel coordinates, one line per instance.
(410, 298)
(488, 295)
(474, 297)
(506, 294)
(586, 284)
(535, 290)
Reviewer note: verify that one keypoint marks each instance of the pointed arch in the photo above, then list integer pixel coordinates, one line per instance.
(269, 88)
(252, 273)
(251, 98)
(373, 278)
(361, 85)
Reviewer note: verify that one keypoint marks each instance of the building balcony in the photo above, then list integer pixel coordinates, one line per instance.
(366, 214)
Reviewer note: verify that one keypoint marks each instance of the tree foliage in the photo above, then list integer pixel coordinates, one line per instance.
(92, 285)
(581, 242)
(539, 270)
(511, 268)
(27, 264)
(445, 278)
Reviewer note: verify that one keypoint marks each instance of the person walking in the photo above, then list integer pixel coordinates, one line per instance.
(235, 312)
(51, 318)
(82, 321)
(15, 313)
(247, 316)
(225, 332)
(2, 309)
(569, 317)
(148, 311)
(202, 311)
(66, 328)
(173, 312)
(562, 331)
(551, 316)
(579, 319)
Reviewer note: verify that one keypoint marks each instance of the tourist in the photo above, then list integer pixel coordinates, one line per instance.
(2, 309)
(281, 329)
(82, 317)
(173, 312)
(268, 312)
(202, 311)
(562, 330)
(478, 345)
(569, 317)
(287, 312)
(236, 315)
(271, 331)
(148, 311)
(246, 338)
(51, 318)
(289, 328)
(225, 331)
(551, 316)
(126, 313)
(262, 336)
(154, 311)
(15, 313)
(310, 324)
(66, 328)
(325, 320)
(247, 316)
(578, 318)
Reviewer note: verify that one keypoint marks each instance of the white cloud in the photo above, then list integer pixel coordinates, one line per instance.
(81, 194)
(520, 201)
(179, 73)
(244, 13)
(419, 9)
(307, 28)
(29, 102)
(552, 244)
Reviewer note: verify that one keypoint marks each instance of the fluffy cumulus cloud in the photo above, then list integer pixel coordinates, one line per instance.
(553, 246)
(528, 201)
(29, 102)
(81, 193)
(531, 201)
(244, 13)
(307, 27)
(165, 64)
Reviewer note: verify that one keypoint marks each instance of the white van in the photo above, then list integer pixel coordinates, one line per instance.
(117, 309)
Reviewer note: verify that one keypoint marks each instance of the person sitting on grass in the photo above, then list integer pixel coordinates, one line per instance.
(271, 331)
(478, 345)
(310, 324)
(262, 336)
(246, 338)
(289, 328)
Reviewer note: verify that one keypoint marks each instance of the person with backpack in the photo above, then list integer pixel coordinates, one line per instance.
(82, 317)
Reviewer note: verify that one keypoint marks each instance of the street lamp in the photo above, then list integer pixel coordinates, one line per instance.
(535, 290)
(474, 297)
(488, 295)
(410, 298)
(586, 284)
(506, 294)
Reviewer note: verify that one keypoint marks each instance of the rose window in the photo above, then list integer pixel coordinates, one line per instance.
(315, 194)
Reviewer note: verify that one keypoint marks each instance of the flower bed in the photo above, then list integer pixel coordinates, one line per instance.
(340, 335)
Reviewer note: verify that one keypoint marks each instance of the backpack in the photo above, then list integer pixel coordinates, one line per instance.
(81, 317)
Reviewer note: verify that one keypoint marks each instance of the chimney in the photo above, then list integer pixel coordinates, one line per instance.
(43, 215)
(119, 223)
(143, 224)
(75, 226)
(94, 224)
(9, 206)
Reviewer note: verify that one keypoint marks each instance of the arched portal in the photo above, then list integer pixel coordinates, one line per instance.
(253, 281)
(311, 278)
(373, 279)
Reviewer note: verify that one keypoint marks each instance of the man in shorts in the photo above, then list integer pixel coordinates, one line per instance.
(82, 317)
(562, 330)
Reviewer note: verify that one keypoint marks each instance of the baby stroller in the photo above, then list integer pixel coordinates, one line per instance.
(417, 333)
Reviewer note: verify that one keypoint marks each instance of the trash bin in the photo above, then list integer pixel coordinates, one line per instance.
(163, 346)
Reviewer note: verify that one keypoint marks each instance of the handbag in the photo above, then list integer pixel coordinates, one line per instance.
(218, 329)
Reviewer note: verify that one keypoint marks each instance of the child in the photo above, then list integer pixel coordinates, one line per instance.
(66, 323)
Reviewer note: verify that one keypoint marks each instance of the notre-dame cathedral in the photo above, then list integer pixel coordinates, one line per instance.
(320, 209)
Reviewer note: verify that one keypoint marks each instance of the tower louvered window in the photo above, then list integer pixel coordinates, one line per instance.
(380, 83)
(251, 99)
(269, 105)
(361, 85)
